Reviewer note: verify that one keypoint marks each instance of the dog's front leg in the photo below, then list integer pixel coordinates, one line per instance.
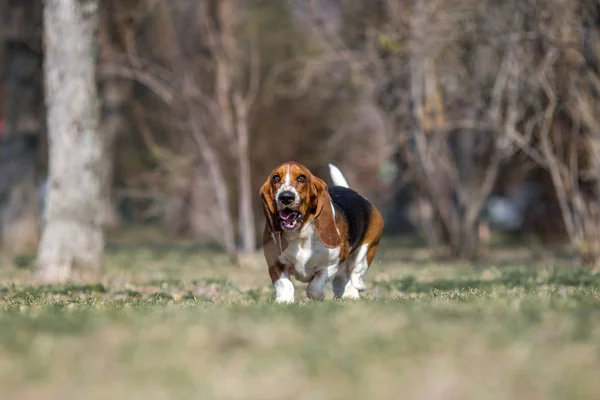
(284, 288)
(317, 288)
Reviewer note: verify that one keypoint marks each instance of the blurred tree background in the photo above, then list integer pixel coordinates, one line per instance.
(459, 118)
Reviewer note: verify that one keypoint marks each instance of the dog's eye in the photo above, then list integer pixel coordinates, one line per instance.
(301, 179)
(275, 179)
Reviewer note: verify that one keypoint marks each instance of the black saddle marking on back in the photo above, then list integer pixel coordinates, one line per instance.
(355, 209)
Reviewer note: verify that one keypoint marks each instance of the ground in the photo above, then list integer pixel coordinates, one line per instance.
(176, 320)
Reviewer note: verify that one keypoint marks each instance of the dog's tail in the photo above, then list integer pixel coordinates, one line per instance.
(337, 177)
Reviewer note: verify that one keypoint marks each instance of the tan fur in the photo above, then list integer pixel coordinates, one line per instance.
(374, 232)
(324, 222)
(268, 203)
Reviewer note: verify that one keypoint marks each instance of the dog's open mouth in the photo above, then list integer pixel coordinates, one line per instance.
(289, 219)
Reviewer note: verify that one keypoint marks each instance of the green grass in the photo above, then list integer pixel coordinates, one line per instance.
(176, 320)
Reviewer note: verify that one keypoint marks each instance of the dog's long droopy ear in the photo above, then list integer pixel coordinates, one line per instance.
(266, 197)
(324, 219)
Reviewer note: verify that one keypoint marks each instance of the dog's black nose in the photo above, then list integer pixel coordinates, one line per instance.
(286, 198)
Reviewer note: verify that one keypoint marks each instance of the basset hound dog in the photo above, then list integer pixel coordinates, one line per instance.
(317, 233)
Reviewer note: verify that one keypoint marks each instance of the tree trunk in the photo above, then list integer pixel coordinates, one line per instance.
(234, 117)
(468, 248)
(198, 130)
(217, 178)
(72, 240)
(431, 163)
(23, 126)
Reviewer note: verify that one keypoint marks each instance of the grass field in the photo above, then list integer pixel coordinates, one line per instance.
(176, 321)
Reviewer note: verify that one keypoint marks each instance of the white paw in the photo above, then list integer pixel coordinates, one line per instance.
(358, 283)
(284, 300)
(351, 293)
(284, 290)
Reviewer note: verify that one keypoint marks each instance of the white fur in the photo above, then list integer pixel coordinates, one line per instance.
(288, 187)
(333, 213)
(349, 280)
(337, 177)
(308, 255)
(284, 290)
(342, 285)
(359, 269)
(350, 292)
(310, 259)
(288, 176)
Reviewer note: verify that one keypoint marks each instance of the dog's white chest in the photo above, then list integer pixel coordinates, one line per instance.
(307, 254)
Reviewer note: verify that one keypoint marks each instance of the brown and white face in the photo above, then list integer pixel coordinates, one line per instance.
(289, 196)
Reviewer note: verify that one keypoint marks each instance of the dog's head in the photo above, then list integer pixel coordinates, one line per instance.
(292, 196)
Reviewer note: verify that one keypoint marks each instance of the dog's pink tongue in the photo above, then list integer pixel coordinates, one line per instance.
(286, 215)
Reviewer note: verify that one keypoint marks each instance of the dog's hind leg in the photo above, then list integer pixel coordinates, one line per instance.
(342, 285)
